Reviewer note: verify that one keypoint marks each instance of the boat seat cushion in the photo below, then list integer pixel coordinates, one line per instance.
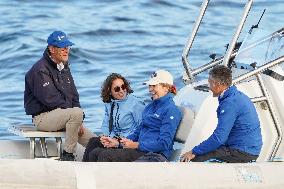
(28, 131)
(185, 125)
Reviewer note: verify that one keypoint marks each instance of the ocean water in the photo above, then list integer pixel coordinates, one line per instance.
(133, 38)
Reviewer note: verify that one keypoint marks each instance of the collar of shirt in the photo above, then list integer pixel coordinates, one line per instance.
(226, 93)
(60, 66)
(222, 94)
(121, 100)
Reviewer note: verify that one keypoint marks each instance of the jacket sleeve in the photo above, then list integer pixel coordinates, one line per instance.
(137, 113)
(105, 124)
(170, 122)
(226, 118)
(135, 135)
(75, 100)
(46, 92)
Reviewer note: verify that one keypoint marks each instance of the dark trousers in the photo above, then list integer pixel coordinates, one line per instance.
(152, 157)
(226, 154)
(114, 155)
(95, 151)
(92, 144)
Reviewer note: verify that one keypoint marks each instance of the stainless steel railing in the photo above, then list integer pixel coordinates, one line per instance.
(190, 72)
(266, 98)
(192, 37)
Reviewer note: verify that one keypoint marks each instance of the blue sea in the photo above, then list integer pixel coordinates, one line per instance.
(133, 38)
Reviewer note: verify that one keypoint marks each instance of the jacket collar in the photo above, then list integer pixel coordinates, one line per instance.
(227, 93)
(47, 57)
(163, 100)
(117, 101)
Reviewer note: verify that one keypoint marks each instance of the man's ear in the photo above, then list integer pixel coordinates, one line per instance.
(51, 49)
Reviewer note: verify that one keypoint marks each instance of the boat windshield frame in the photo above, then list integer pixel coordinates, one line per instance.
(191, 73)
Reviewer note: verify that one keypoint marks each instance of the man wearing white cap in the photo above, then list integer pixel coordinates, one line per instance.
(155, 134)
(51, 96)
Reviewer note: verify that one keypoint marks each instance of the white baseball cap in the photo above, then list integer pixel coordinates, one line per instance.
(160, 76)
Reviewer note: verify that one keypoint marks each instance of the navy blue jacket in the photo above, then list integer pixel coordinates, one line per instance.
(160, 120)
(47, 88)
(238, 125)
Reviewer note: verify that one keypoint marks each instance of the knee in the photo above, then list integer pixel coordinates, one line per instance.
(93, 143)
(105, 156)
(77, 113)
(94, 154)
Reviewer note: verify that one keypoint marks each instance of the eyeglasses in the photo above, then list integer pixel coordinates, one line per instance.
(117, 88)
(63, 49)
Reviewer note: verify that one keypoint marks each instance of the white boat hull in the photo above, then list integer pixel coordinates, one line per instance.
(45, 174)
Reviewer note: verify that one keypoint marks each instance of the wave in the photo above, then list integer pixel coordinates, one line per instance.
(111, 32)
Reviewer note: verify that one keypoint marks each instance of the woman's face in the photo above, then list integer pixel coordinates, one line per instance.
(118, 89)
(158, 91)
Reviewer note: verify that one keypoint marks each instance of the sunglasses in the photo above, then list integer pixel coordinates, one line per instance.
(117, 88)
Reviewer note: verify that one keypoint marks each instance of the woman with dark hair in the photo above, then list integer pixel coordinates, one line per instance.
(123, 112)
(153, 139)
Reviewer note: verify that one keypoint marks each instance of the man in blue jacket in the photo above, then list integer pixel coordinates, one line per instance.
(237, 137)
(51, 97)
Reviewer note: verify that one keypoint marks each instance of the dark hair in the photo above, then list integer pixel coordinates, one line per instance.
(172, 88)
(221, 74)
(106, 87)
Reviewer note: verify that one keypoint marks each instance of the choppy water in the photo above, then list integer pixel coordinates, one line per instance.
(133, 38)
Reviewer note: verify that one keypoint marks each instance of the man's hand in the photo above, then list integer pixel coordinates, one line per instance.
(81, 130)
(127, 143)
(187, 156)
(109, 142)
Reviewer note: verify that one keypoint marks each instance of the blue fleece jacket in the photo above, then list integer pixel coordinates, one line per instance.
(160, 120)
(238, 125)
(127, 116)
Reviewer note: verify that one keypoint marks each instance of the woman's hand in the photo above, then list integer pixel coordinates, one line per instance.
(127, 143)
(109, 142)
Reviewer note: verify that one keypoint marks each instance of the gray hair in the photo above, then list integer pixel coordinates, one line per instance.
(221, 74)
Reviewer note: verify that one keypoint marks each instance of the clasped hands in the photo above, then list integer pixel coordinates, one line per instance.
(109, 142)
